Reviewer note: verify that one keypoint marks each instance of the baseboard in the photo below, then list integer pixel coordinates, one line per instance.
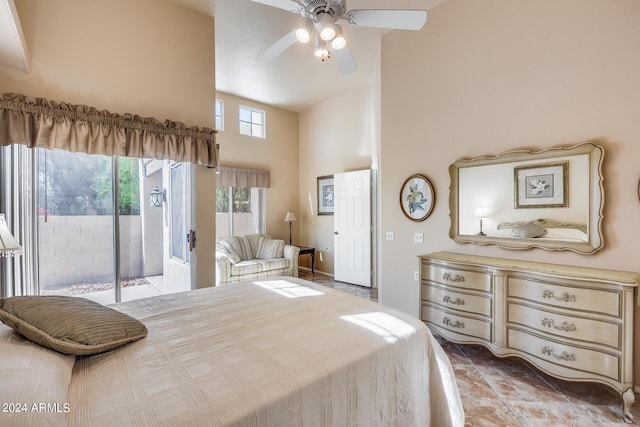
(315, 270)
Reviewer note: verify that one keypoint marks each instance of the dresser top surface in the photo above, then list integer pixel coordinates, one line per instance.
(627, 277)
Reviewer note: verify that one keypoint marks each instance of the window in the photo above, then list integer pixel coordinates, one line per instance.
(219, 114)
(252, 122)
(240, 210)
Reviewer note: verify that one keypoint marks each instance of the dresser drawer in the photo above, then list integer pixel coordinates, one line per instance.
(574, 298)
(456, 300)
(581, 359)
(456, 323)
(589, 330)
(459, 278)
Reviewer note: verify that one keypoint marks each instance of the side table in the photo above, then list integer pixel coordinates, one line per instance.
(306, 250)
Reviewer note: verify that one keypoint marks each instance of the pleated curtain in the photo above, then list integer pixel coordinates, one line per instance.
(40, 123)
(241, 177)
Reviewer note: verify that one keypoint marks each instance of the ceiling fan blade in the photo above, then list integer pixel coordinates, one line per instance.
(288, 5)
(411, 19)
(278, 47)
(344, 59)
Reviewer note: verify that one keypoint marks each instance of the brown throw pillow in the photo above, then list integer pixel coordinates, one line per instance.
(70, 325)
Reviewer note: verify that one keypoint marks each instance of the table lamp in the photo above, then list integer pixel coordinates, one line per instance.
(481, 213)
(290, 217)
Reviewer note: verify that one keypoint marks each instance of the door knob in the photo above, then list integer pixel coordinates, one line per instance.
(335, 232)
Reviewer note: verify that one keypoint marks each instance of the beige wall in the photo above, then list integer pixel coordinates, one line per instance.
(337, 135)
(496, 75)
(277, 153)
(146, 57)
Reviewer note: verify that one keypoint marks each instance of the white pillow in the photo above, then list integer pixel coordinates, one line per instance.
(530, 229)
(33, 382)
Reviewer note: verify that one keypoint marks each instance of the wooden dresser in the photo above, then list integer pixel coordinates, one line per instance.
(573, 323)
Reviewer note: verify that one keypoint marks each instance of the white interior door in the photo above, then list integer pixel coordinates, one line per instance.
(352, 227)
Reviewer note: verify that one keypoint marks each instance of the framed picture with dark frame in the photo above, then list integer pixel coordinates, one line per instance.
(325, 195)
(542, 185)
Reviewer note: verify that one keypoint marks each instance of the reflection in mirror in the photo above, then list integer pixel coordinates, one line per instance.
(551, 199)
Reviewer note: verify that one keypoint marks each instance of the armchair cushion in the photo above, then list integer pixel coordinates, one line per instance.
(270, 248)
(227, 248)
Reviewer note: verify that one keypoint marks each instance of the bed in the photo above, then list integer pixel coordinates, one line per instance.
(542, 229)
(273, 352)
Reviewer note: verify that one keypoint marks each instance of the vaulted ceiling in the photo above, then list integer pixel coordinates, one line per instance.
(294, 81)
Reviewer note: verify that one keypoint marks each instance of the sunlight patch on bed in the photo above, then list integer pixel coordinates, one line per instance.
(288, 289)
(388, 327)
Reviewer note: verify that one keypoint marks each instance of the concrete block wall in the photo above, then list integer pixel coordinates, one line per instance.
(79, 249)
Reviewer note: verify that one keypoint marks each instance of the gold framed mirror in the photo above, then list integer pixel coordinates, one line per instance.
(555, 204)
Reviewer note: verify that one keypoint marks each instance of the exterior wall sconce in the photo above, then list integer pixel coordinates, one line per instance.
(156, 197)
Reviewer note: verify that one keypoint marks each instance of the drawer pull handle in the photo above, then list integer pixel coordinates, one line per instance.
(457, 278)
(564, 326)
(457, 301)
(566, 297)
(570, 357)
(457, 324)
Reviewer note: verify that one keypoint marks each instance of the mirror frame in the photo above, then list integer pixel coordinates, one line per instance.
(596, 198)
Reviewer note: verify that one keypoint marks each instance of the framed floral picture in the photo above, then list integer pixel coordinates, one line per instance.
(325, 195)
(542, 185)
(417, 198)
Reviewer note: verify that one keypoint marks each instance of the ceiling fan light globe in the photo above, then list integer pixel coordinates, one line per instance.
(338, 43)
(327, 33)
(326, 26)
(303, 35)
(321, 52)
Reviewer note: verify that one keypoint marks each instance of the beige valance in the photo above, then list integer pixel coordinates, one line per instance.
(240, 177)
(40, 123)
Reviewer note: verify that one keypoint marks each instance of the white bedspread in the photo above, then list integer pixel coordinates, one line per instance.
(275, 352)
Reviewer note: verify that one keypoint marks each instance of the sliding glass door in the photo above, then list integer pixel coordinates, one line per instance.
(76, 225)
(98, 235)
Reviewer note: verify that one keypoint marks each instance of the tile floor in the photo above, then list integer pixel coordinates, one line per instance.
(510, 392)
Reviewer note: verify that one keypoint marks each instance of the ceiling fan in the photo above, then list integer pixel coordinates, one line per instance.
(320, 24)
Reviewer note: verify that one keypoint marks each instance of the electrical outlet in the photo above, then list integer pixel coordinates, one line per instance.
(418, 237)
(389, 235)
(416, 275)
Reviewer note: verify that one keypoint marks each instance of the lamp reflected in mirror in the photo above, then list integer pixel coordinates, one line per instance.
(481, 213)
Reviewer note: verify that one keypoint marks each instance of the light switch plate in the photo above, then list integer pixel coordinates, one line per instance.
(418, 237)
(389, 235)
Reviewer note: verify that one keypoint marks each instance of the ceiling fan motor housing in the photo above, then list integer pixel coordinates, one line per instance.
(313, 8)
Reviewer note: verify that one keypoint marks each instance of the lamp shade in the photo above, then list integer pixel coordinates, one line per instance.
(481, 212)
(8, 245)
(290, 216)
